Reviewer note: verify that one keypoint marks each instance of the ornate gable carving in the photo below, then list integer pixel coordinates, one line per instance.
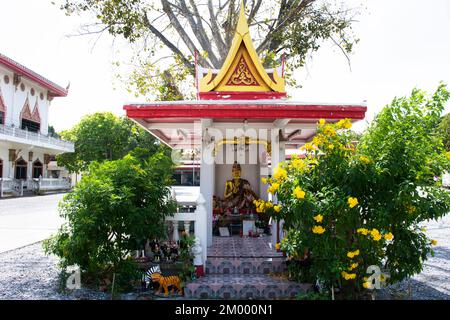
(26, 112)
(35, 116)
(242, 75)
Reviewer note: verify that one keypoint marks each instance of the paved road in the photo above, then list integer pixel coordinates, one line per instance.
(26, 220)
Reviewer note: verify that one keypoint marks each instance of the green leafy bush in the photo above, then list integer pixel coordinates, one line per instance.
(347, 206)
(116, 206)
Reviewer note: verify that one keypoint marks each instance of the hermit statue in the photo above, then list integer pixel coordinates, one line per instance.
(197, 251)
(238, 192)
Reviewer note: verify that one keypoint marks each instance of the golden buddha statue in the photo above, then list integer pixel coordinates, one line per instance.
(238, 191)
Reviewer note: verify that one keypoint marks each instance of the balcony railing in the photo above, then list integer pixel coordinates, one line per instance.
(36, 138)
(16, 187)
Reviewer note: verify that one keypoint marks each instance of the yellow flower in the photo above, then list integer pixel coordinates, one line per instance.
(278, 246)
(329, 131)
(366, 285)
(298, 164)
(348, 276)
(318, 229)
(352, 254)
(268, 204)
(264, 180)
(277, 208)
(353, 266)
(410, 208)
(363, 231)
(308, 146)
(447, 154)
(330, 147)
(352, 202)
(317, 140)
(318, 218)
(364, 159)
(299, 193)
(344, 124)
(322, 122)
(389, 236)
(375, 235)
(434, 242)
(273, 188)
(280, 174)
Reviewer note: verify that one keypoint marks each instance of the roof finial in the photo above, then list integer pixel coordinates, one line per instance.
(242, 26)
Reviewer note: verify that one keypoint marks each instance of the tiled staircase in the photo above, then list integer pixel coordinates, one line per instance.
(243, 268)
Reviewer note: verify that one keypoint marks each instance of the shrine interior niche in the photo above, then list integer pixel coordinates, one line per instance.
(237, 185)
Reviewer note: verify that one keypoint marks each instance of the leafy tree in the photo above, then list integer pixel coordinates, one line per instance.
(52, 132)
(347, 207)
(117, 205)
(103, 136)
(444, 129)
(168, 33)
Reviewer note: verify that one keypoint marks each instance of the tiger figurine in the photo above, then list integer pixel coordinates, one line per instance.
(165, 282)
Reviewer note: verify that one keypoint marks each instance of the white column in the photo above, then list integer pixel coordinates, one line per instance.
(200, 226)
(207, 178)
(176, 236)
(277, 156)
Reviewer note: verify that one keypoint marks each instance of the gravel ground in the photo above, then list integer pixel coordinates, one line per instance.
(27, 273)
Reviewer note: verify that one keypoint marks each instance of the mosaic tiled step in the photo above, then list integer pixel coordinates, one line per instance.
(250, 286)
(245, 265)
(241, 247)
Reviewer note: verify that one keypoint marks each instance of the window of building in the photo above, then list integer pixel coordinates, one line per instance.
(38, 169)
(21, 169)
(1, 168)
(30, 125)
(2, 117)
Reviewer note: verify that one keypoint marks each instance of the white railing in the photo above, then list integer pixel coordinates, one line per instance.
(190, 215)
(13, 186)
(34, 137)
(42, 185)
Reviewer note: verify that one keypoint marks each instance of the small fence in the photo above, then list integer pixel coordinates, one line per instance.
(16, 187)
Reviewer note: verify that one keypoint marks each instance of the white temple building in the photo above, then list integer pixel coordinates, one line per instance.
(26, 147)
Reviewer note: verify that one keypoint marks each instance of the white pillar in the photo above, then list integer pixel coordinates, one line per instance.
(200, 226)
(176, 236)
(277, 156)
(207, 178)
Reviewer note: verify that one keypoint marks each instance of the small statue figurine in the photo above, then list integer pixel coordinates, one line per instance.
(197, 251)
(238, 191)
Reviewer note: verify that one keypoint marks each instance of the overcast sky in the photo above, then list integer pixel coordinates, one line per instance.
(404, 43)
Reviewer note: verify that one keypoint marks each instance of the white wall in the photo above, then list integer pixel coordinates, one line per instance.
(15, 100)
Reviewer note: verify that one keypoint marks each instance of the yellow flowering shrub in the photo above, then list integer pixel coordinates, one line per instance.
(355, 202)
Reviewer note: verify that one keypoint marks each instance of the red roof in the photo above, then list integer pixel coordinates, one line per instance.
(245, 109)
(54, 89)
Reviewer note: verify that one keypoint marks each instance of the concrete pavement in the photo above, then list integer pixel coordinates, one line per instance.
(27, 220)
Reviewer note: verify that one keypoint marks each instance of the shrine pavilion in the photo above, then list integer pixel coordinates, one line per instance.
(242, 123)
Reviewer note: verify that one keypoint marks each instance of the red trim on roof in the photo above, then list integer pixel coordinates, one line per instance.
(54, 89)
(245, 111)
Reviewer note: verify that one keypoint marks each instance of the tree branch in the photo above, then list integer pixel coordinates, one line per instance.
(217, 36)
(183, 35)
(170, 45)
(199, 31)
